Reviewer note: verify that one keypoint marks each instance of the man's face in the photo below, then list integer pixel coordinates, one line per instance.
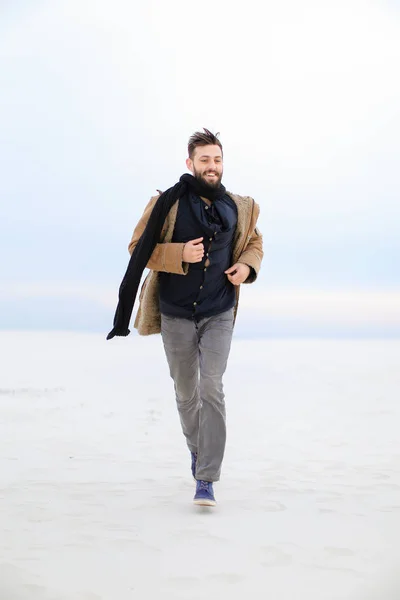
(206, 165)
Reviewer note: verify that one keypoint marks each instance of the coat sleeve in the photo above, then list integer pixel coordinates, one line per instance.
(166, 257)
(253, 254)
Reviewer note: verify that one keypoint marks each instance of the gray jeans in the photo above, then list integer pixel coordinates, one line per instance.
(197, 355)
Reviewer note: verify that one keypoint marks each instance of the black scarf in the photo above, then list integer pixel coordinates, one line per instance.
(148, 241)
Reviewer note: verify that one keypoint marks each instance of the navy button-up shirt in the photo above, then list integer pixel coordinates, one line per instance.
(205, 290)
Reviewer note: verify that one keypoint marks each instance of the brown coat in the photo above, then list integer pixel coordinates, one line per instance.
(167, 257)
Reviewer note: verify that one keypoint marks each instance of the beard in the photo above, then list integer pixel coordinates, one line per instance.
(212, 185)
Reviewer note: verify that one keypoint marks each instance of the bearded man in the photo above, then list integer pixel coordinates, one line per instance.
(200, 243)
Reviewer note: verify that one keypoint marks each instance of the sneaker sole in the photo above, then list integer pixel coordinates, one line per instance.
(204, 502)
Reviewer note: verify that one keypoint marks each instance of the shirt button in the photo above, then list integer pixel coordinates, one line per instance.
(207, 254)
(210, 239)
(206, 207)
(205, 268)
(201, 287)
(194, 303)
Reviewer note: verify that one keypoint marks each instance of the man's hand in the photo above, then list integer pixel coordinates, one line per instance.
(238, 273)
(193, 251)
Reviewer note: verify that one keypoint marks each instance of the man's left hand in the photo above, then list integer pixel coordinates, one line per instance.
(238, 273)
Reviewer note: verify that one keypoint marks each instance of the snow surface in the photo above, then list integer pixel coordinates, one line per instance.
(96, 490)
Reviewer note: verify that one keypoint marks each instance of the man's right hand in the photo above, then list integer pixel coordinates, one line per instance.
(193, 251)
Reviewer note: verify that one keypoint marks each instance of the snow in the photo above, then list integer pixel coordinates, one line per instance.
(96, 490)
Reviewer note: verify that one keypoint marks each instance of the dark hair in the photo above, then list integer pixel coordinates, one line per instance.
(202, 139)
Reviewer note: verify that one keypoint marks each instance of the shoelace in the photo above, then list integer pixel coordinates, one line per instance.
(203, 485)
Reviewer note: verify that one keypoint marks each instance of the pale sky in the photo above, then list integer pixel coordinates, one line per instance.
(97, 104)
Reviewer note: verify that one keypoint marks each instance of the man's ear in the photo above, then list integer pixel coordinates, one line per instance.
(189, 164)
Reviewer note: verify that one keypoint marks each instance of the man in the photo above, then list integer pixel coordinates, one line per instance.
(200, 243)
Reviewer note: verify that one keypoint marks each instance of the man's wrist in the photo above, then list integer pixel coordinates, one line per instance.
(246, 265)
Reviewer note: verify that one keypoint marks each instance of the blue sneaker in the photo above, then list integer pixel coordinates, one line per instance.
(204, 494)
(194, 462)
